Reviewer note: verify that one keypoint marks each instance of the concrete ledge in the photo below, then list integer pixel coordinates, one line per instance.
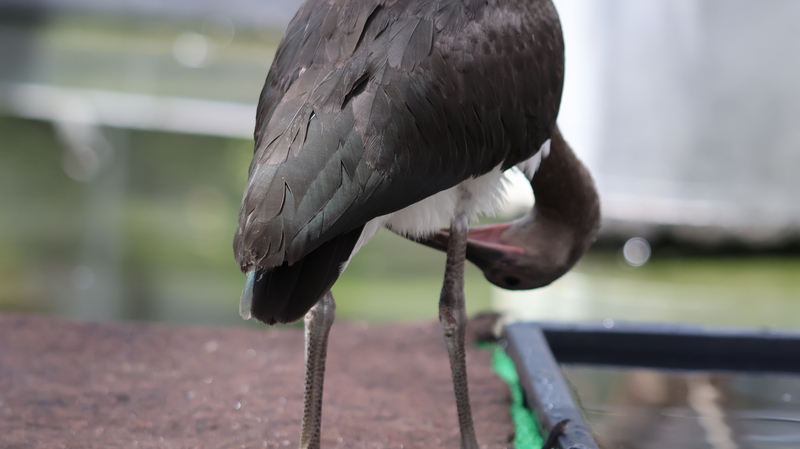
(85, 385)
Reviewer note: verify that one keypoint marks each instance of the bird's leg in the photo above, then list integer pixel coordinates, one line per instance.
(318, 322)
(453, 316)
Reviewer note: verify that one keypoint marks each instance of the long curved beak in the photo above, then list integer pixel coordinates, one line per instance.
(485, 246)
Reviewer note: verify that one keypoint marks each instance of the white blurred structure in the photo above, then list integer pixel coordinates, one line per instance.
(687, 113)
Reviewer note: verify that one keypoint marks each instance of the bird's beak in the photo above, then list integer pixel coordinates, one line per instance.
(487, 250)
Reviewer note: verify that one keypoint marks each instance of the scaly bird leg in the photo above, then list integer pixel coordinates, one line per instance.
(453, 316)
(318, 322)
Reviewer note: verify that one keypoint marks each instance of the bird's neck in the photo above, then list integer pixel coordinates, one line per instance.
(565, 217)
(564, 189)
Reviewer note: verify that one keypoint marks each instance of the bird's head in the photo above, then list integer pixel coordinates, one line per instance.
(540, 247)
(527, 253)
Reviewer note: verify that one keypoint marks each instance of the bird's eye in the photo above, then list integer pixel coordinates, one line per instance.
(511, 281)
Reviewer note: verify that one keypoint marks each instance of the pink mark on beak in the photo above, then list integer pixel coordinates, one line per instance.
(490, 237)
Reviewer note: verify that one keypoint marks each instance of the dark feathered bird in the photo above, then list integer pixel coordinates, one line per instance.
(404, 114)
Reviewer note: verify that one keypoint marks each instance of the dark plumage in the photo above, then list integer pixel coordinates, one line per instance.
(369, 108)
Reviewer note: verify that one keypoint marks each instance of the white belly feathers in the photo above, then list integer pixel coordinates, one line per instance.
(483, 195)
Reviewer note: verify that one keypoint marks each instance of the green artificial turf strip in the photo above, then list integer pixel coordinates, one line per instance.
(526, 431)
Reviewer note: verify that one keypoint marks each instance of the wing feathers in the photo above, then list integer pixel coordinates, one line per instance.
(410, 43)
(369, 109)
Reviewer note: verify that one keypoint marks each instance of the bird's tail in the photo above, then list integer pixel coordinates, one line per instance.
(285, 293)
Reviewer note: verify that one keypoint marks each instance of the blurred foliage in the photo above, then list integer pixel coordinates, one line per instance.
(38, 203)
(179, 212)
(740, 291)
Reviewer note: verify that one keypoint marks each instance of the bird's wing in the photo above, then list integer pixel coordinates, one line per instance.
(370, 108)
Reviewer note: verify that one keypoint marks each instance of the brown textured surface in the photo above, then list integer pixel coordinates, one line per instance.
(85, 385)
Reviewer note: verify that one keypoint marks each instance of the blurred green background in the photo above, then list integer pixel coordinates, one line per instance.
(142, 229)
(148, 236)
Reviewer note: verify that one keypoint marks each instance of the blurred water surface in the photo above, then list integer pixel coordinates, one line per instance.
(646, 409)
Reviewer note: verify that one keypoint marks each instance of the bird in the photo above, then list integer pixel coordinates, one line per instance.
(405, 115)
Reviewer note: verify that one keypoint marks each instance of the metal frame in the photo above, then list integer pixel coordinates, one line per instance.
(538, 348)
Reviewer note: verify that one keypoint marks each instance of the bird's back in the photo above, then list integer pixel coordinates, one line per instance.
(372, 106)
